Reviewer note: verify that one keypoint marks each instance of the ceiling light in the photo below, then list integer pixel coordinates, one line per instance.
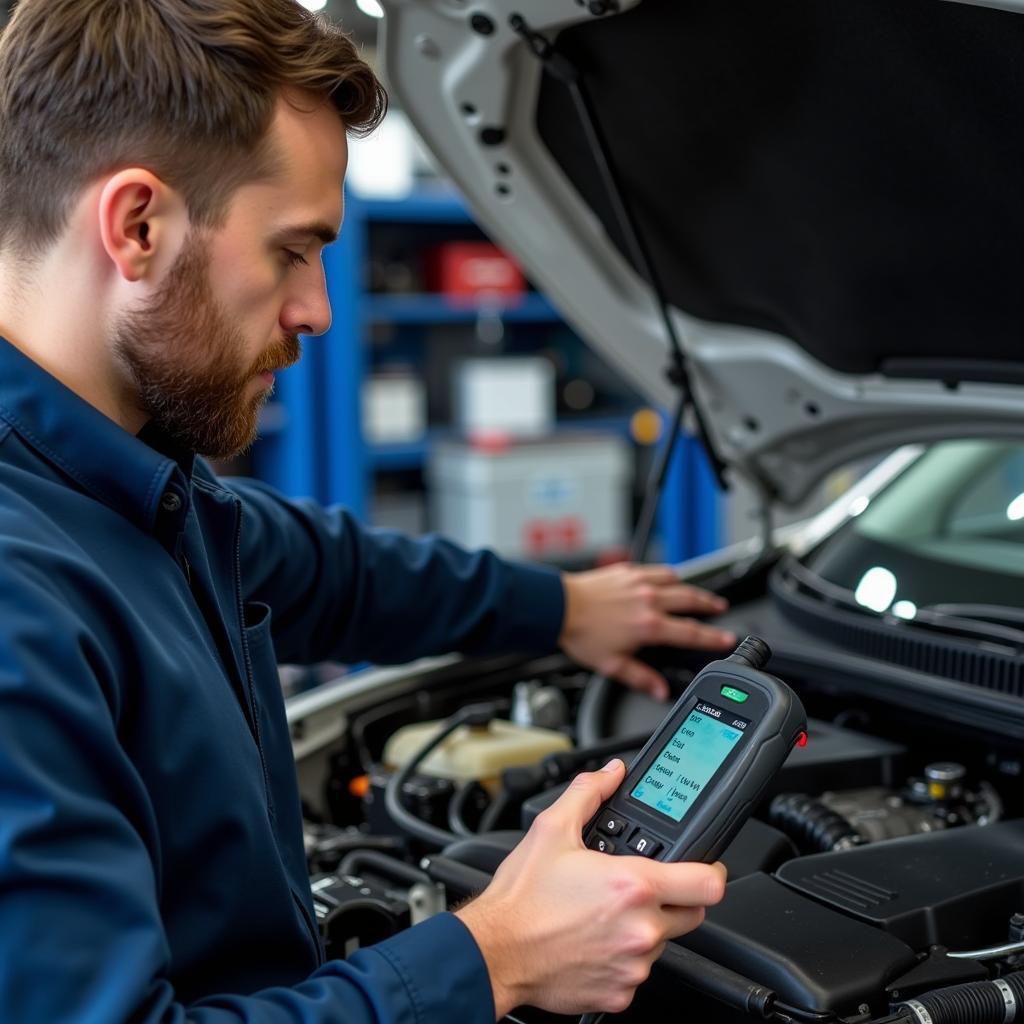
(1015, 510)
(313, 5)
(904, 610)
(370, 7)
(876, 589)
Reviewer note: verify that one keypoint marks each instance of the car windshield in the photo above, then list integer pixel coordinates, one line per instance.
(947, 534)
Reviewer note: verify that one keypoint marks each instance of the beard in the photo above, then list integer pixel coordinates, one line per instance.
(184, 359)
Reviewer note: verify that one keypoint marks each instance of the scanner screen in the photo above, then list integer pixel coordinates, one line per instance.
(697, 749)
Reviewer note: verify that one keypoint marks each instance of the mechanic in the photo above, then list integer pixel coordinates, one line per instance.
(170, 171)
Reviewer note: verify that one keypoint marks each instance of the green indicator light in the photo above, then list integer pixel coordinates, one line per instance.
(733, 694)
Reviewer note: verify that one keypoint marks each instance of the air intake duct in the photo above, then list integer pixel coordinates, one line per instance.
(978, 1002)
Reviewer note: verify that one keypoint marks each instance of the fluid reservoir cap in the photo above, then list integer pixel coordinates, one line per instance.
(944, 780)
(945, 771)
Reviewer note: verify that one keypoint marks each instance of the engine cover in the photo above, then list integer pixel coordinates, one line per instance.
(833, 930)
(956, 888)
(811, 955)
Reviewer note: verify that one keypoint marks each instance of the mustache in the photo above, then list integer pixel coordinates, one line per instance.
(280, 356)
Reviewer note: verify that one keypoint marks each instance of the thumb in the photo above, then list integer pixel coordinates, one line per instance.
(583, 799)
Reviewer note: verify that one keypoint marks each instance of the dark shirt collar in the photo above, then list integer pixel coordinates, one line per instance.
(128, 473)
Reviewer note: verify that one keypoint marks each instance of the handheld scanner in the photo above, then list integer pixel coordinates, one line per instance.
(696, 781)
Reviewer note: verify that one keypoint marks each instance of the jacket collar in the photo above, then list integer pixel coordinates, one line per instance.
(130, 474)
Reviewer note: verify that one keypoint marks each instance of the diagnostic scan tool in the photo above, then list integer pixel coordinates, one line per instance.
(701, 774)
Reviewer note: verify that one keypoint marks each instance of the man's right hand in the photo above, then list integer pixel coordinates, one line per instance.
(573, 931)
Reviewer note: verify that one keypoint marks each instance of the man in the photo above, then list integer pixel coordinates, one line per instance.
(170, 171)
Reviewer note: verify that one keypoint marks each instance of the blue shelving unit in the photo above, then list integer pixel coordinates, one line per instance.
(313, 443)
(690, 513)
(438, 309)
(427, 206)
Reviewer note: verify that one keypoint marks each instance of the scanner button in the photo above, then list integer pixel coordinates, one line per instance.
(644, 845)
(611, 825)
(601, 844)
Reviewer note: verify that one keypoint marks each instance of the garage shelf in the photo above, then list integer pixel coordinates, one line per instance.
(414, 454)
(439, 309)
(312, 442)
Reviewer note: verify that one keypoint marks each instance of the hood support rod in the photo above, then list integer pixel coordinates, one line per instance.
(558, 65)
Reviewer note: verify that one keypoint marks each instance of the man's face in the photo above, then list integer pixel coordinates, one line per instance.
(202, 354)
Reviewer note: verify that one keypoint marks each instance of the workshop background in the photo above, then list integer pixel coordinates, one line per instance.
(450, 395)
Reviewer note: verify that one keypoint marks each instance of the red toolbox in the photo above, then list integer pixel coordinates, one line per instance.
(472, 269)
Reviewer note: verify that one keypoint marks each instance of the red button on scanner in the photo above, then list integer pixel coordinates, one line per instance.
(801, 740)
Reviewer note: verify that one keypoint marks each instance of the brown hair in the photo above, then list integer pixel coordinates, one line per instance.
(185, 88)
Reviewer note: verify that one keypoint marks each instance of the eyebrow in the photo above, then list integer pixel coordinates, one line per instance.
(319, 229)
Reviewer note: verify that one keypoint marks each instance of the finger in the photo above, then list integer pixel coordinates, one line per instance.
(681, 597)
(582, 800)
(723, 871)
(678, 921)
(660, 575)
(641, 677)
(695, 635)
(686, 884)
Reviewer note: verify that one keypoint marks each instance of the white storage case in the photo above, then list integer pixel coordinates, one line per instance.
(556, 499)
(513, 396)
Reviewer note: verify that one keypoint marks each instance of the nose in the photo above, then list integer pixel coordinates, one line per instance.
(309, 311)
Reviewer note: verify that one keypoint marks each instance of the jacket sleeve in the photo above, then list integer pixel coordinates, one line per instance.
(340, 591)
(81, 936)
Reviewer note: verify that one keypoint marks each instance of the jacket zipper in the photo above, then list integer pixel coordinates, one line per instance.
(247, 658)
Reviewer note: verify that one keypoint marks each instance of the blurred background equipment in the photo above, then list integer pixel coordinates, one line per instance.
(553, 499)
(439, 340)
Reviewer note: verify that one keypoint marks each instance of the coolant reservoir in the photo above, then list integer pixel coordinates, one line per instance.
(478, 753)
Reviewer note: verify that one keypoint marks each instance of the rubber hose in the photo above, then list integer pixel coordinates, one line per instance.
(976, 1002)
(454, 875)
(591, 713)
(473, 714)
(358, 860)
(457, 808)
(811, 824)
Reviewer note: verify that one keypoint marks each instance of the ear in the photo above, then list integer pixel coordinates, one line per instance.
(143, 222)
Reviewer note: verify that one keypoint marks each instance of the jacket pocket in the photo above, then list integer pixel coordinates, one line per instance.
(275, 739)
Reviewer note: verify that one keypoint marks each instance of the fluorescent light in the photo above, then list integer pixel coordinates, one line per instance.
(370, 7)
(1015, 510)
(876, 589)
(904, 609)
(313, 5)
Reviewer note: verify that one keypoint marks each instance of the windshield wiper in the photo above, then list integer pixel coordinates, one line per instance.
(999, 614)
(984, 623)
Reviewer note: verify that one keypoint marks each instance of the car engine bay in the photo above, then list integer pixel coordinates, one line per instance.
(881, 878)
(885, 865)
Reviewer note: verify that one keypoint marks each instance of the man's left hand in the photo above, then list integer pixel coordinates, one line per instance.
(611, 612)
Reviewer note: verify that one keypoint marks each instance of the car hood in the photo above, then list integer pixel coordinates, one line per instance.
(831, 193)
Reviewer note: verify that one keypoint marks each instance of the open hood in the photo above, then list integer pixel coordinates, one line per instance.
(831, 191)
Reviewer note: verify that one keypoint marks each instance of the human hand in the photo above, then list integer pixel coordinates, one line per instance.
(611, 612)
(570, 930)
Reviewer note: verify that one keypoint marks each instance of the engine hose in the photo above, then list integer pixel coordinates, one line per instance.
(359, 860)
(425, 831)
(976, 1002)
(811, 824)
(457, 809)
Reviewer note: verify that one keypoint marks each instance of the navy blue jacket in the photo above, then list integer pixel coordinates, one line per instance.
(151, 856)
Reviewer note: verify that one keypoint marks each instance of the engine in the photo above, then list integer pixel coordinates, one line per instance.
(877, 882)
